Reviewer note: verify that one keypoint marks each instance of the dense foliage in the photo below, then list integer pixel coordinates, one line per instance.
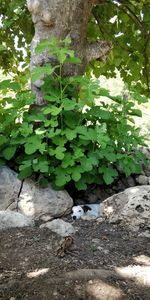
(71, 138)
(124, 23)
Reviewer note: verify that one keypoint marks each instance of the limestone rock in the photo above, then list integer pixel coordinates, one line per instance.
(142, 180)
(100, 220)
(88, 218)
(145, 234)
(43, 203)
(10, 219)
(60, 227)
(131, 208)
(130, 181)
(9, 188)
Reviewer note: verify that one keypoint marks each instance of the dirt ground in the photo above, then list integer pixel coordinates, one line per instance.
(30, 268)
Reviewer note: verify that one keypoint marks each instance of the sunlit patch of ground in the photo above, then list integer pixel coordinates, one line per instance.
(140, 274)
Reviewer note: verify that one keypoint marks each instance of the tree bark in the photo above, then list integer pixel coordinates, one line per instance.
(64, 18)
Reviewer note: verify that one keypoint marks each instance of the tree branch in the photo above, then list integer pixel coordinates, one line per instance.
(146, 61)
(98, 50)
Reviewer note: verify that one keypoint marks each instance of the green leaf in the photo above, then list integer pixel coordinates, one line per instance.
(8, 84)
(60, 152)
(68, 160)
(77, 152)
(86, 133)
(86, 164)
(81, 185)
(135, 112)
(41, 165)
(42, 46)
(25, 173)
(2, 48)
(9, 152)
(51, 151)
(26, 129)
(60, 141)
(99, 113)
(33, 144)
(61, 177)
(60, 155)
(42, 147)
(54, 110)
(110, 156)
(5, 84)
(50, 98)
(108, 173)
(76, 174)
(30, 148)
(25, 165)
(70, 134)
(72, 119)
(40, 72)
(103, 92)
(52, 132)
(3, 139)
(94, 160)
(117, 99)
(53, 122)
(73, 60)
(68, 104)
(82, 130)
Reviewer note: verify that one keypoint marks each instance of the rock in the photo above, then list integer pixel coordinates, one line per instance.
(46, 218)
(88, 218)
(100, 220)
(10, 219)
(145, 234)
(130, 181)
(34, 201)
(43, 203)
(142, 180)
(130, 208)
(95, 195)
(9, 188)
(60, 227)
(147, 169)
(105, 251)
(96, 241)
(119, 186)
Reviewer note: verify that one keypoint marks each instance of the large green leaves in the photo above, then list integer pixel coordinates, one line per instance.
(33, 144)
(9, 152)
(126, 26)
(40, 72)
(64, 141)
(109, 173)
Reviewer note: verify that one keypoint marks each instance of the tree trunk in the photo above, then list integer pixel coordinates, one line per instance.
(64, 18)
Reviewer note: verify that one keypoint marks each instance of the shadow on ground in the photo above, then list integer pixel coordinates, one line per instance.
(107, 262)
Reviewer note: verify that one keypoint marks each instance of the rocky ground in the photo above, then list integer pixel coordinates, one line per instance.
(31, 269)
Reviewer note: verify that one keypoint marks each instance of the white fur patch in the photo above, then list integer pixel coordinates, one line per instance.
(85, 210)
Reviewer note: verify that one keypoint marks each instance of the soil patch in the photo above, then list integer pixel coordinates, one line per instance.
(30, 268)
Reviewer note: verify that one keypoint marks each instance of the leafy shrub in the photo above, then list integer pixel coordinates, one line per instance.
(70, 138)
